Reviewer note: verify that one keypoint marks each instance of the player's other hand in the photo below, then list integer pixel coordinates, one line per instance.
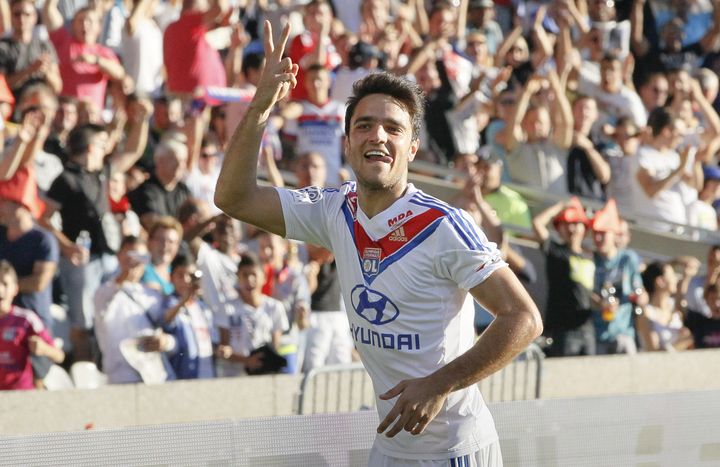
(418, 402)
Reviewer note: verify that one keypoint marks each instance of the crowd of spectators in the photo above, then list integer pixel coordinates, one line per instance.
(115, 115)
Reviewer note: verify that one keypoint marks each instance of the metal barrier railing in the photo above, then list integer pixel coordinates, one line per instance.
(520, 380)
(322, 388)
(347, 388)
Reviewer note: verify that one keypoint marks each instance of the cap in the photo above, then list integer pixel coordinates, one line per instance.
(606, 219)
(363, 51)
(711, 172)
(573, 212)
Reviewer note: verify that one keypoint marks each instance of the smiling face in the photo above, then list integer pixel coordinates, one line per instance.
(380, 144)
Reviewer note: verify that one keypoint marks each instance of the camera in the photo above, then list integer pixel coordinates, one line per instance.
(196, 276)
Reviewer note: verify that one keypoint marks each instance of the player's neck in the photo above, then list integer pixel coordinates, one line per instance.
(375, 201)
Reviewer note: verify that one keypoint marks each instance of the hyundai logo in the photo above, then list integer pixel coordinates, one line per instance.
(373, 306)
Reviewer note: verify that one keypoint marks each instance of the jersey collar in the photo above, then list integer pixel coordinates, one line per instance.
(391, 218)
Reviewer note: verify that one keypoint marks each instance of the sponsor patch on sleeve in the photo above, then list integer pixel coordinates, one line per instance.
(309, 195)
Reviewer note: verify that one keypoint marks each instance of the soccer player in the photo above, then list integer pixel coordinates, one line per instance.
(406, 263)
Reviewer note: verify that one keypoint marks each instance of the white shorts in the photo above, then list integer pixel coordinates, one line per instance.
(489, 456)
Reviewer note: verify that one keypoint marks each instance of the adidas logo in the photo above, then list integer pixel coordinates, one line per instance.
(398, 235)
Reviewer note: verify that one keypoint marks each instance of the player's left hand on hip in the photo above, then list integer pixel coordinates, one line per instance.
(418, 403)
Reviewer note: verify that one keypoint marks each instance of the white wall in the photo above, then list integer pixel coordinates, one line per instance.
(232, 398)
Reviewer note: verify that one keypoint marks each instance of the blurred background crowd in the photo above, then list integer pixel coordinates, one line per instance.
(116, 113)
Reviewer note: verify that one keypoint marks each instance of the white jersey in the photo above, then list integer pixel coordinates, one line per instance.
(320, 129)
(251, 328)
(405, 275)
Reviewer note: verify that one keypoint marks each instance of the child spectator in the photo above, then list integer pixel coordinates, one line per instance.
(250, 322)
(190, 321)
(23, 335)
(319, 125)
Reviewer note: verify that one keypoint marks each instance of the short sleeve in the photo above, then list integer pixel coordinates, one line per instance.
(222, 318)
(37, 328)
(143, 201)
(48, 48)
(464, 254)
(279, 317)
(306, 212)
(48, 248)
(5, 58)
(59, 191)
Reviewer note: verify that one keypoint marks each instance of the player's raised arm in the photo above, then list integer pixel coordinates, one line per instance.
(237, 192)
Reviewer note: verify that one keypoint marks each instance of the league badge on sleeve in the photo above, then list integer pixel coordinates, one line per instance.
(309, 195)
(371, 261)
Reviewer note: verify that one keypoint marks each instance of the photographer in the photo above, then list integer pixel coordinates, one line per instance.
(190, 321)
(127, 309)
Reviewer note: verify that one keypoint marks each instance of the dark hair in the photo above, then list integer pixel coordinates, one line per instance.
(18, 2)
(659, 119)
(442, 5)
(210, 139)
(610, 57)
(409, 94)
(249, 259)
(651, 273)
(313, 3)
(67, 100)
(187, 209)
(315, 67)
(7, 269)
(81, 136)
(131, 240)
(713, 287)
(251, 61)
(180, 261)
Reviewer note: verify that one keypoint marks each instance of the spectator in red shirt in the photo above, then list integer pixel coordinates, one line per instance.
(22, 334)
(314, 45)
(190, 61)
(85, 66)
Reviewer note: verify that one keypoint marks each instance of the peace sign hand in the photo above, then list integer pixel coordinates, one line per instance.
(278, 76)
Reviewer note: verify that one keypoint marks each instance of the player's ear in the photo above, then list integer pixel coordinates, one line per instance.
(414, 146)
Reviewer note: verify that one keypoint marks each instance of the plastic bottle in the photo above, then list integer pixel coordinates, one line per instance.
(609, 302)
(83, 240)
